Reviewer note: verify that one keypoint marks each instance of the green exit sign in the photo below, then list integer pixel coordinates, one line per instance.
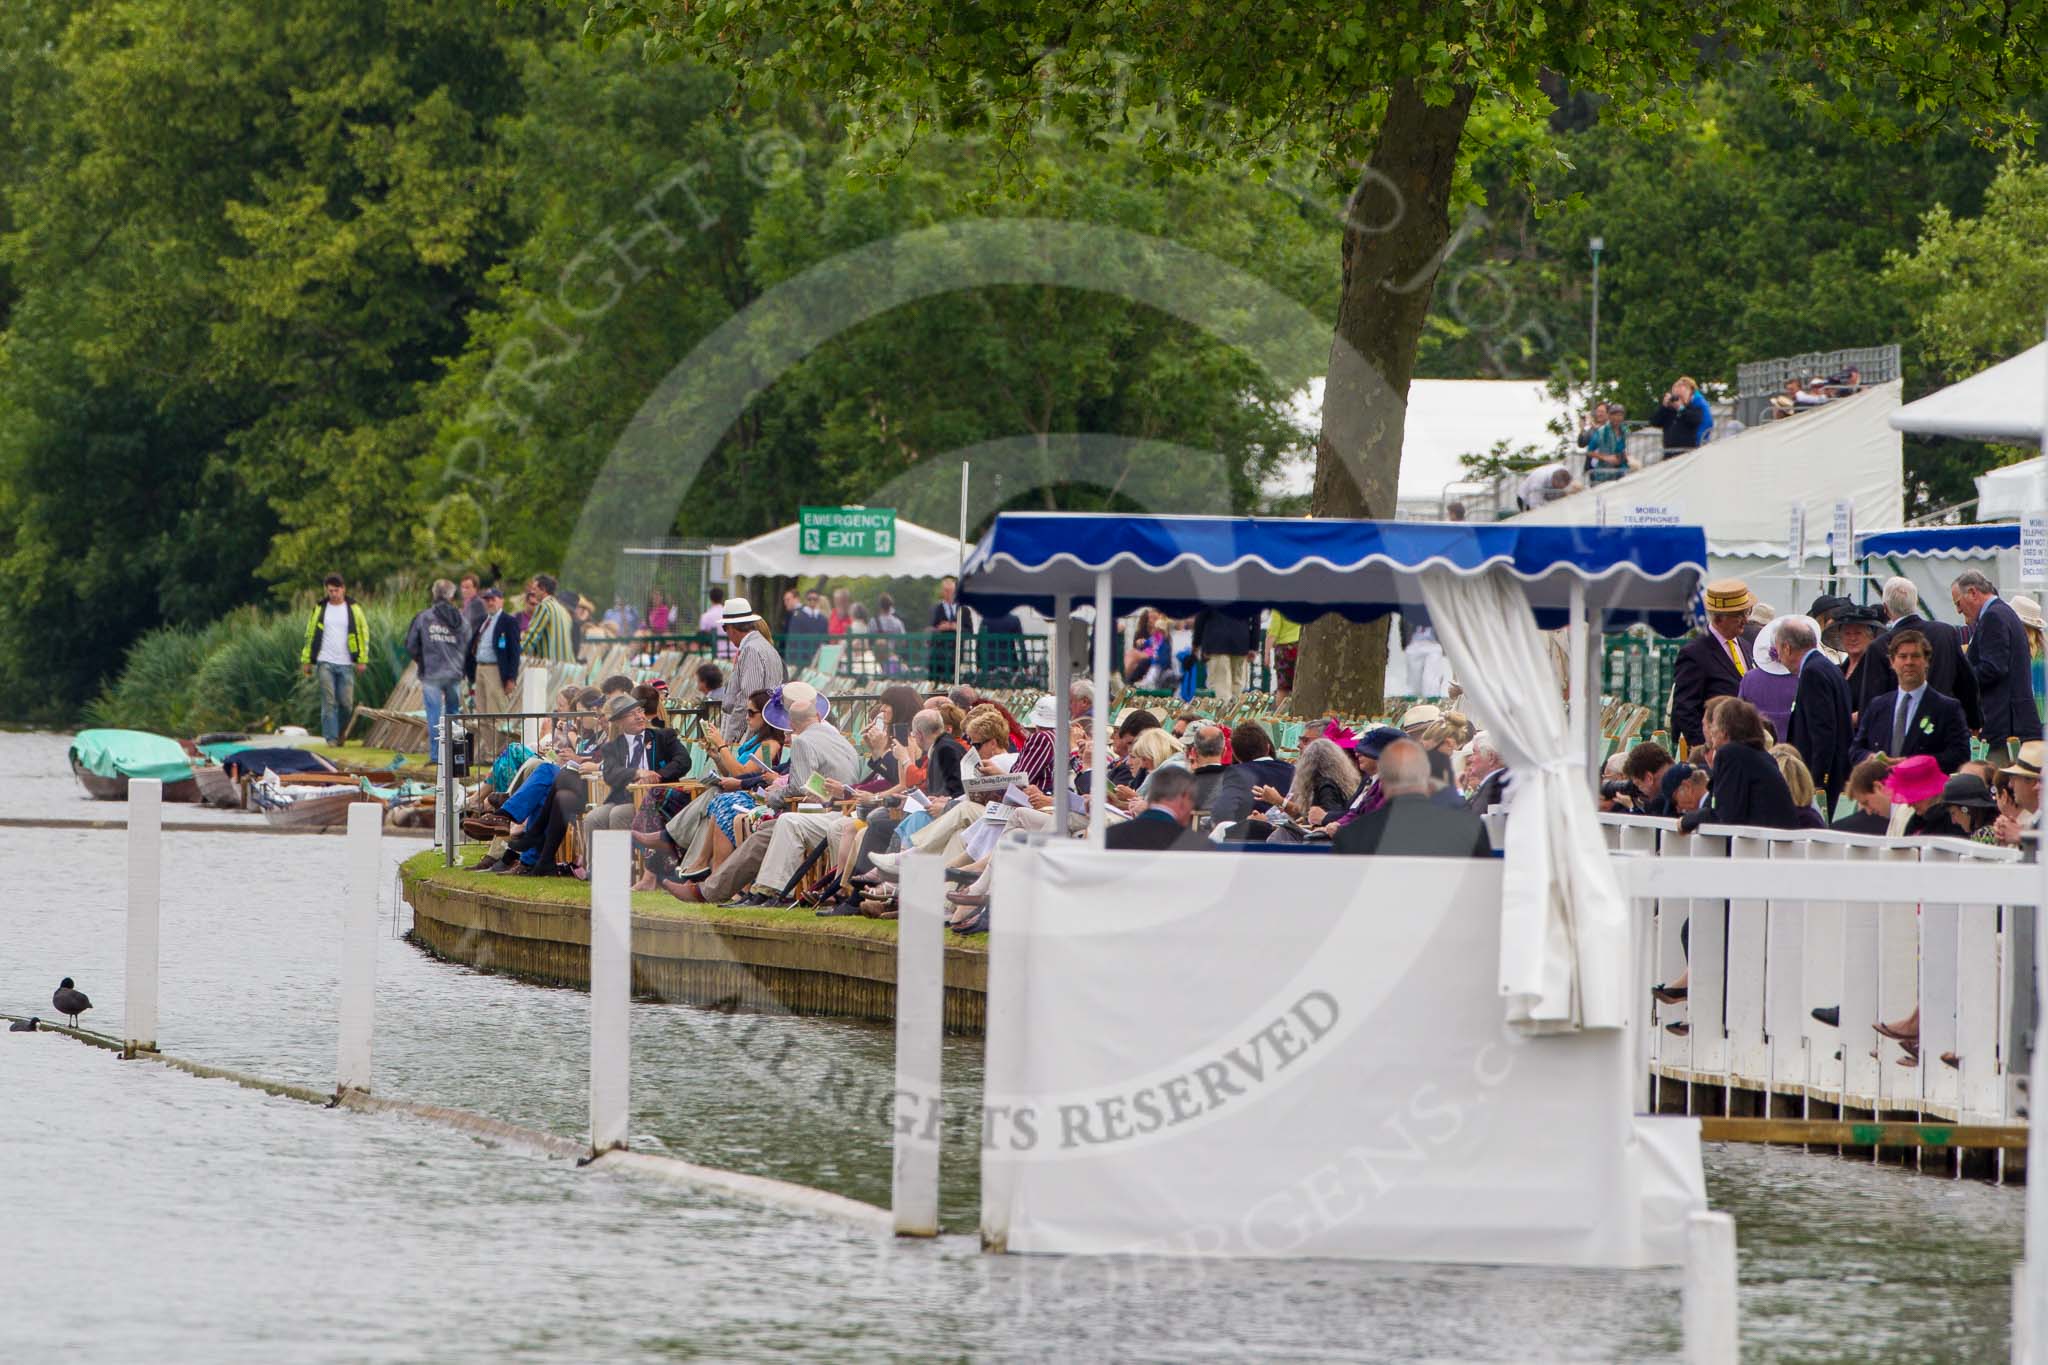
(866, 532)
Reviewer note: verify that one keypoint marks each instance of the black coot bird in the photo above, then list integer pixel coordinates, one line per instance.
(69, 1002)
(27, 1025)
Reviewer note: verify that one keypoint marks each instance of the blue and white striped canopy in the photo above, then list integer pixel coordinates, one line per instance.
(1305, 567)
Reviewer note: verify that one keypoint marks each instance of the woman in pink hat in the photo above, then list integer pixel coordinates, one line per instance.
(1917, 781)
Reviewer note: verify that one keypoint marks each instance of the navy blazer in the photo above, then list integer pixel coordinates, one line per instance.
(1948, 669)
(1938, 728)
(504, 639)
(2005, 674)
(1704, 670)
(1820, 728)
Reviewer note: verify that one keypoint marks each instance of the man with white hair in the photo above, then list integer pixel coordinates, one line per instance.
(1948, 672)
(2003, 663)
(1485, 774)
(1410, 824)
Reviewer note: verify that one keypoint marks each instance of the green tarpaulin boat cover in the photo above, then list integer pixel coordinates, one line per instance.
(131, 753)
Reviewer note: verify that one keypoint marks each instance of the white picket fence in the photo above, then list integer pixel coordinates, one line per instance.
(1761, 965)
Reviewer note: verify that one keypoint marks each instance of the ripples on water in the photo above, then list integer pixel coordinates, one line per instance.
(202, 1221)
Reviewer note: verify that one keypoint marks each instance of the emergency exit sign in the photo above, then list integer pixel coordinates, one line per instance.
(866, 532)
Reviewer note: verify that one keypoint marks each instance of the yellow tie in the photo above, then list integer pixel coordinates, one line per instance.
(1735, 653)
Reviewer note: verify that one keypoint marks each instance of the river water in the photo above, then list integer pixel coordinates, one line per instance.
(152, 1215)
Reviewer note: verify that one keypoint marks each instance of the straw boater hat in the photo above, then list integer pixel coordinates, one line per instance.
(1729, 595)
(2028, 610)
(2027, 762)
(738, 612)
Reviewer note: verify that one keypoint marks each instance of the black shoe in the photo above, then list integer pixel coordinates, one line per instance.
(961, 876)
(839, 908)
(483, 865)
(689, 878)
(1831, 1015)
(1669, 995)
(751, 900)
(511, 867)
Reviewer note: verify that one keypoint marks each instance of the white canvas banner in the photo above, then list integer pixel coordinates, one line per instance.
(1298, 1055)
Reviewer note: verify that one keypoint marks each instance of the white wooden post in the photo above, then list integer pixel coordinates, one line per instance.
(1711, 1336)
(359, 946)
(920, 1025)
(611, 987)
(533, 696)
(145, 900)
(1098, 766)
(2034, 1310)
(1059, 681)
(2022, 1324)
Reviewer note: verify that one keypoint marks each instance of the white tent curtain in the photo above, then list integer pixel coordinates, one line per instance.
(1564, 939)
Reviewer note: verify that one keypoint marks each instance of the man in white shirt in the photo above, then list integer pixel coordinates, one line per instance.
(1544, 484)
(337, 648)
(712, 622)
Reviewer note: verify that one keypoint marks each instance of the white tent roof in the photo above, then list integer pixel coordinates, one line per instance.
(2010, 491)
(1446, 418)
(1741, 488)
(2004, 403)
(920, 553)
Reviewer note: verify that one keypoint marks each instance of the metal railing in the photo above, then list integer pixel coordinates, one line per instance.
(986, 660)
(1759, 380)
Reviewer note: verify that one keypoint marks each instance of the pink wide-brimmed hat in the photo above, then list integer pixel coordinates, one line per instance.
(1915, 779)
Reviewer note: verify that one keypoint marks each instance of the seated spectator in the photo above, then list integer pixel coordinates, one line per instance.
(1683, 789)
(1971, 806)
(1746, 787)
(1813, 395)
(1485, 777)
(1917, 782)
(1872, 799)
(1800, 783)
(1647, 763)
(1206, 747)
(1843, 384)
(1165, 821)
(1409, 824)
(1684, 416)
(1543, 485)
(1235, 799)
(1325, 780)
(710, 680)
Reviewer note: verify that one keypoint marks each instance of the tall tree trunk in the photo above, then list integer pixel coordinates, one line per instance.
(1398, 226)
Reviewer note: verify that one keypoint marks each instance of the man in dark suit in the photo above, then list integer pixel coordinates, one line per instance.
(948, 618)
(1948, 671)
(2004, 666)
(637, 753)
(1410, 825)
(494, 643)
(1163, 824)
(1255, 767)
(1488, 774)
(1712, 664)
(1820, 728)
(1914, 719)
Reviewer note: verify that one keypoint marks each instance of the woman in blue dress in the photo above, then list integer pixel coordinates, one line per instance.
(743, 767)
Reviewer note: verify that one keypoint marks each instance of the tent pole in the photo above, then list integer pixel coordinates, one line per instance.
(1098, 760)
(1059, 685)
(1596, 640)
(960, 615)
(2034, 1263)
(1577, 710)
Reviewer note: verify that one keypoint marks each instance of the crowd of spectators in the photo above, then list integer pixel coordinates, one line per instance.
(1861, 720)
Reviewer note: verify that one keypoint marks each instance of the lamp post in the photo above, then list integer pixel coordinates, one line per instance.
(1593, 360)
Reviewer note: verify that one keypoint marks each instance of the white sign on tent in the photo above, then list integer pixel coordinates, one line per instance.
(1844, 534)
(1795, 538)
(1650, 514)
(2034, 548)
